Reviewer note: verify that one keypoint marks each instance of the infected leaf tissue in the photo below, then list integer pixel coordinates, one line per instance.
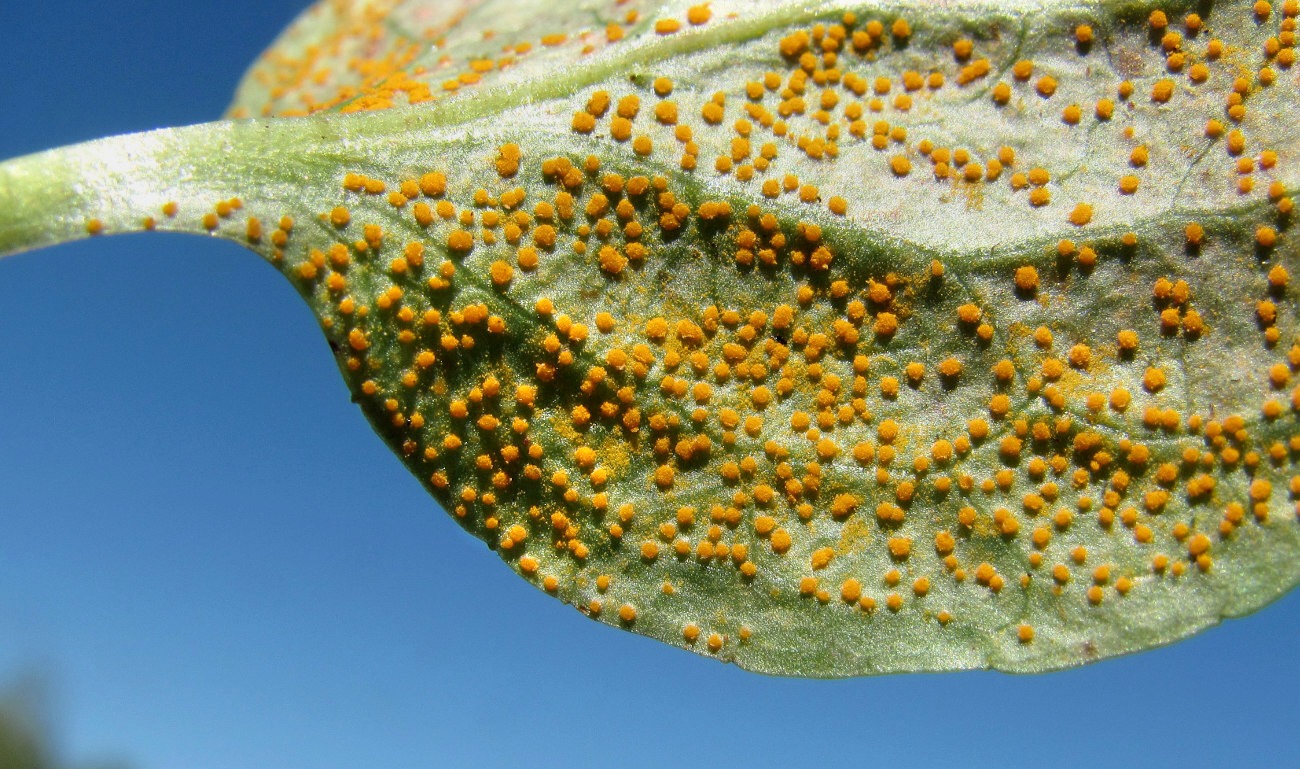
(828, 339)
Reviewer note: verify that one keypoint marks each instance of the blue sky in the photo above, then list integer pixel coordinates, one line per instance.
(213, 562)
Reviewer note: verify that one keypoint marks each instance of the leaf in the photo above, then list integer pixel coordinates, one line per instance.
(827, 340)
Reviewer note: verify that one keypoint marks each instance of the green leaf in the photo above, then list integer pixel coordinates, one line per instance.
(825, 339)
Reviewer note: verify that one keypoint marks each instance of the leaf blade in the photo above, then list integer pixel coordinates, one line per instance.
(866, 494)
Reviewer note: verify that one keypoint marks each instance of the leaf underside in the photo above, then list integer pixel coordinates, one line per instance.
(827, 339)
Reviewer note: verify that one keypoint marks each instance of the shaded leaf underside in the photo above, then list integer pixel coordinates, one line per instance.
(882, 349)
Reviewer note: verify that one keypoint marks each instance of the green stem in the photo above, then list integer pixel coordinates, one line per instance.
(56, 196)
(125, 183)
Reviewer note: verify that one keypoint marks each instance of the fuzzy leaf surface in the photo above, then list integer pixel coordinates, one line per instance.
(827, 339)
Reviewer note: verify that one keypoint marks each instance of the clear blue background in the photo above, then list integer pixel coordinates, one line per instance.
(215, 563)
